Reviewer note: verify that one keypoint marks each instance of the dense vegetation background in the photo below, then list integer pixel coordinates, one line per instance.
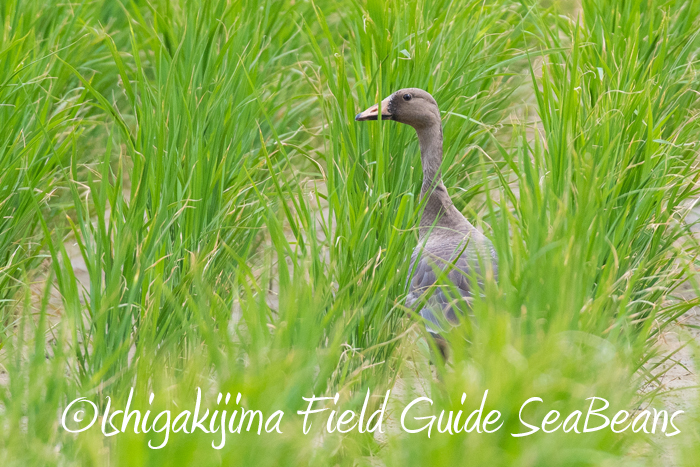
(186, 201)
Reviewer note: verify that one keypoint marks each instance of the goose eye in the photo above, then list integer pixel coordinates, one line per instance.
(407, 97)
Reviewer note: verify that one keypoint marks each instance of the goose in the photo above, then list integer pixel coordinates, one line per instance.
(448, 242)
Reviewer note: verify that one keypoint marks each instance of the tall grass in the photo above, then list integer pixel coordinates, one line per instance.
(177, 202)
(39, 103)
(241, 233)
(608, 180)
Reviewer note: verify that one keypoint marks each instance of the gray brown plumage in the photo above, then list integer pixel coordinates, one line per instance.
(448, 242)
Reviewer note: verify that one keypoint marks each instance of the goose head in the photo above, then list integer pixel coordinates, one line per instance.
(411, 106)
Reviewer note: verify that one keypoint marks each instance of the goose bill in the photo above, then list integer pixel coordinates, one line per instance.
(373, 112)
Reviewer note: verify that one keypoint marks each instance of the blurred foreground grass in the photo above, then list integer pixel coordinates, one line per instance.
(187, 202)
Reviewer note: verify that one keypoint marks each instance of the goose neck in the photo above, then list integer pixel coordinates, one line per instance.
(430, 139)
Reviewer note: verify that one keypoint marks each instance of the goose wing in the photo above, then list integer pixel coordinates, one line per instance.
(458, 257)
